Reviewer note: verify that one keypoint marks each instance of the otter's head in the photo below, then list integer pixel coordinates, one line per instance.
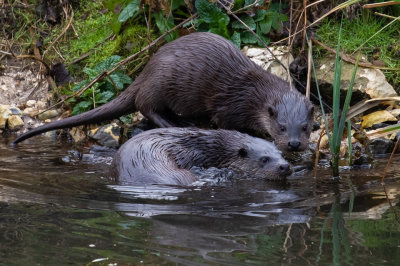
(259, 158)
(289, 121)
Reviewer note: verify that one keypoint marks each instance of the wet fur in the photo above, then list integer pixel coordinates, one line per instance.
(203, 75)
(165, 155)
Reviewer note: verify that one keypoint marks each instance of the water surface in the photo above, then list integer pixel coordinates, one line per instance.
(57, 208)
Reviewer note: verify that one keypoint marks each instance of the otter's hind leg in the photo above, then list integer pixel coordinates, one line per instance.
(158, 119)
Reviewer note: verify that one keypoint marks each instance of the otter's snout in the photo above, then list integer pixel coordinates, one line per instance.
(294, 145)
(284, 169)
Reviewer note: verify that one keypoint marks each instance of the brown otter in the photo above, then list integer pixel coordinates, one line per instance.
(165, 155)
(203, 75)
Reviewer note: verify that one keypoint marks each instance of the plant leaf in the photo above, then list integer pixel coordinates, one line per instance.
(248, 37)
(165, 25)
(235, 38)
(107, 64)
(376, 117)
(130, 11)
(249, 21)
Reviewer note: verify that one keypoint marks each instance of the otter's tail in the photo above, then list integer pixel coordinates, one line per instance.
(123, 104)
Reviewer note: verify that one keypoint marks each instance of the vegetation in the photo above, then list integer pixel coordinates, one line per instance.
(339, 118)
(383, 47)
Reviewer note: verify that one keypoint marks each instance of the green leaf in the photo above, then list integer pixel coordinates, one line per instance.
(111, 4)
(249, 2)
(177, 4)
(165, 25)
(283, 18)
(130, 11)
(248, 37)
(81, 107)
(260, 15)
(235, 38)
(265, 39)
(249, 21)
(276, 23)
(211, 14)
(80, 85)
(90, 72)
(104, 97)
(125, 79)
(107, 64)
(115, 24)
(238, 4)
(265, 25)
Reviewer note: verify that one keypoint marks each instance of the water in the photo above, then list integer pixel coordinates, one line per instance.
(57, 209)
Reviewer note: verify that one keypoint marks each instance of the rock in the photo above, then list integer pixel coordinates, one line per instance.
(363, 160)
(381, 146)
(102, 150)
(15, 122)
(4, 112)
(77, 134)
(31, 111)
(263, 58)
(49, 114)
(31, 103)
(107, 135)
(368, 83)
(41, 105)
(15, 111)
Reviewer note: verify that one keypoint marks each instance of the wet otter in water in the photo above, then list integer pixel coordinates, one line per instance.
(203, 75)
(165, 156)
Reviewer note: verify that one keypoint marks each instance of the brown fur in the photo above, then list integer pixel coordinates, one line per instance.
(203, 75)
(165, 155)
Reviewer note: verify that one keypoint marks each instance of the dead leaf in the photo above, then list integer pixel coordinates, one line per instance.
(376, 117)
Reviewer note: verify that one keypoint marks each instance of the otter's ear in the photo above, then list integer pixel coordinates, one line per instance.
(242, 152)
(271, 111)
(311, 112)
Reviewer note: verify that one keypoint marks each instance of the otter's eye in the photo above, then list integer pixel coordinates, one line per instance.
(282, 128)
(304, 128)
(264, 159)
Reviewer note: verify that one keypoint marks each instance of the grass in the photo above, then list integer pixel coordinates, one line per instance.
(338, 116)
(385, 46)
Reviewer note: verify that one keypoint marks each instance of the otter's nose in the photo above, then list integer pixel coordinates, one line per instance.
(294, 145)
(284, 169)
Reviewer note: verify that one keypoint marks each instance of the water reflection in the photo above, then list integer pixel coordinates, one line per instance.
(56, 208)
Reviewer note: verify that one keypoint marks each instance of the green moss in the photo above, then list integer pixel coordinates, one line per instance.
(95, 38)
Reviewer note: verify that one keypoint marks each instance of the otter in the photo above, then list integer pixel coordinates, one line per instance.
(204, 76)
(166, 155)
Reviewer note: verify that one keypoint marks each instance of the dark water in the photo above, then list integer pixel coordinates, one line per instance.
(57, 209)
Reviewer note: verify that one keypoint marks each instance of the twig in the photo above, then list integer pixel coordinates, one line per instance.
(389, 161)
(384, 15)
(303, 43)
(4, 52)
(138, 65)
(308, 86)
(61, 34)
(246, 7)
(113, 83)
(121, 63)
(388, 3)
(322, 133)
(287, 238)
(383, 180)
